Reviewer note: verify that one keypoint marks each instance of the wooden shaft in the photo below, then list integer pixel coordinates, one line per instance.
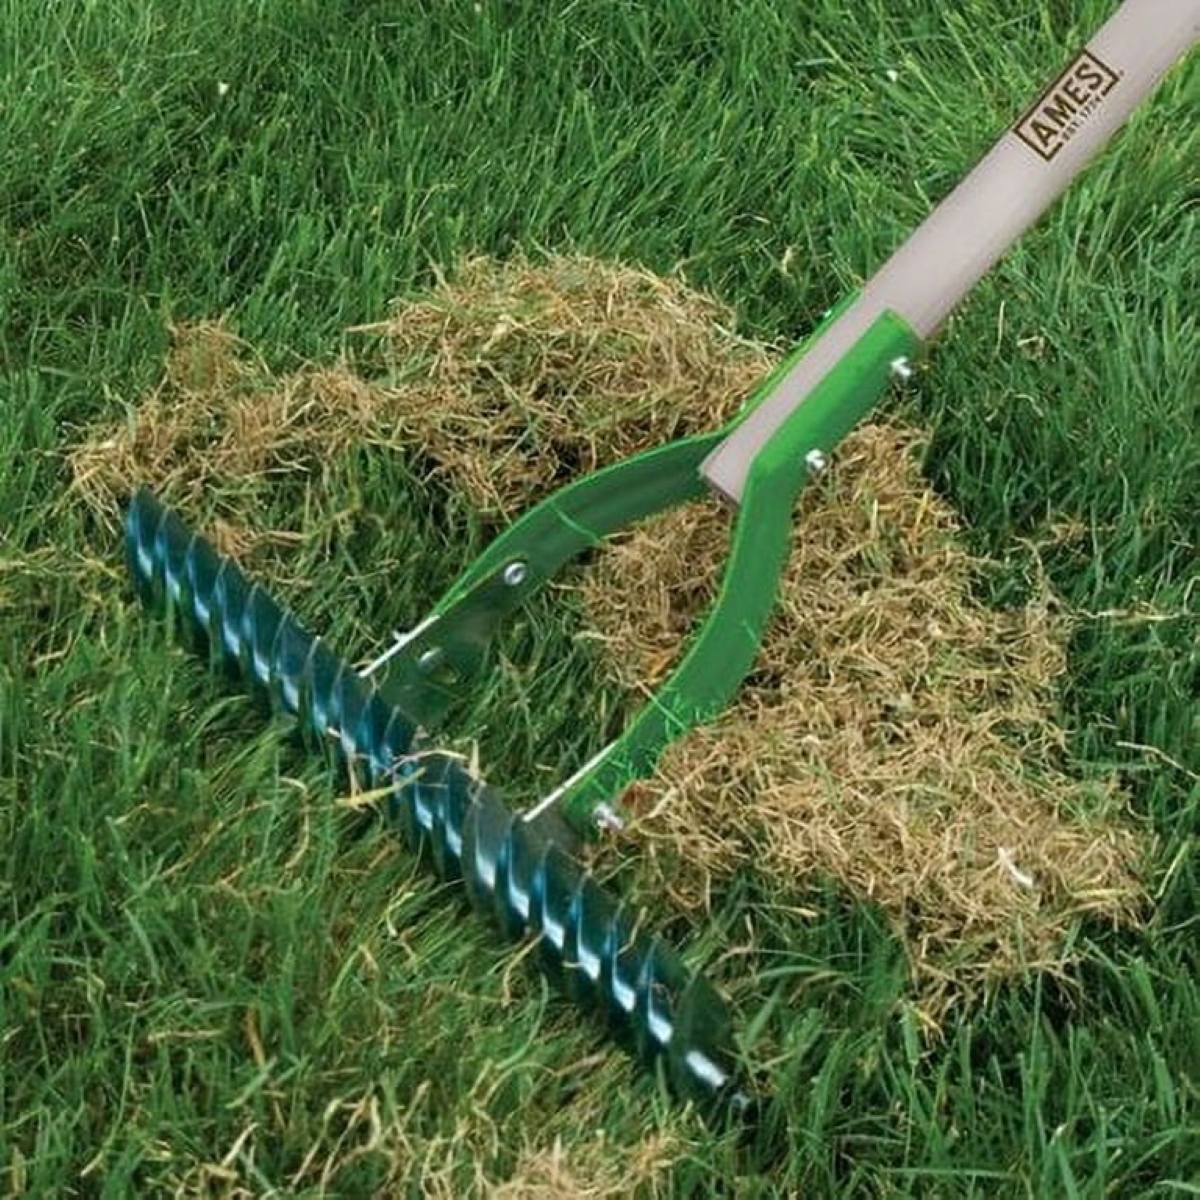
(975, 224)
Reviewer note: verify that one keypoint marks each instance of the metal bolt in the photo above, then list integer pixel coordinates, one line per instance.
(816, 461)
(515, 573)
(902, 370)
(430, 659)
(607, 817)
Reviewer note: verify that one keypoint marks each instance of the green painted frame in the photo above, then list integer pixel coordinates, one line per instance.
(451, 644)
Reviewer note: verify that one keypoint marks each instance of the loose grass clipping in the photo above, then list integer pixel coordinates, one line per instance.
(898, 735)
(484, 1155)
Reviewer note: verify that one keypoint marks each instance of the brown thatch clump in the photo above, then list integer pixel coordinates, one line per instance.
(898, 734)
(520, 376)
(505, 382)
(220, 424)
(593, 1169)
(575, 1158)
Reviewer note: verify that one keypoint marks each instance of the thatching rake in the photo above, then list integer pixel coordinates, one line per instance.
(517, 868)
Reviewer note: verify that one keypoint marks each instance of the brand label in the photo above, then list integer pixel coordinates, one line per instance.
(1065, 105)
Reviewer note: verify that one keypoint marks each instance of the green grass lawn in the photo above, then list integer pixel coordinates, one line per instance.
(216, 984)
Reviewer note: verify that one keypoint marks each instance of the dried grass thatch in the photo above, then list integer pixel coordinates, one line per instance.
(477, 1159)
(527, 375)
(505, 383)
(898, 736)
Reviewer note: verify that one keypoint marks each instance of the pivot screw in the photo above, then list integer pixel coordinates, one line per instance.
(430, 659)
(901, 369)
(516, 573)
(816, 461)
(607, 818)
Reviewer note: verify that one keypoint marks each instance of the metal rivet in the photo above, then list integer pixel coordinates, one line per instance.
(430, 659)
(816, 461)
(607, 817)
(515, 573)
(901, 369)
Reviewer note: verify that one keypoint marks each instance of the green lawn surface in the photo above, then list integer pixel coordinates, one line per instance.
(212, 983)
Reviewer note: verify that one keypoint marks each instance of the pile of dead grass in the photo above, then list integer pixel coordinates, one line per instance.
(526, 375)
(503, 384)
(221, 427)
(898, 735)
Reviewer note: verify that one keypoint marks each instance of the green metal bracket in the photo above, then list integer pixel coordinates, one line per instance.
(451, 644)
(427, 666)
(724, 649)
